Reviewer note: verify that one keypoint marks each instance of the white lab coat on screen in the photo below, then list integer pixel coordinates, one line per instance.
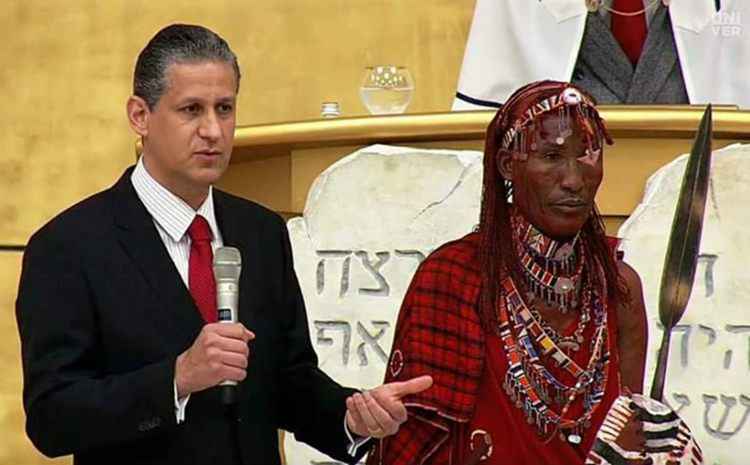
(514, 42)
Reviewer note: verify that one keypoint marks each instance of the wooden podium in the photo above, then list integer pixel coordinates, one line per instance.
(275, 164)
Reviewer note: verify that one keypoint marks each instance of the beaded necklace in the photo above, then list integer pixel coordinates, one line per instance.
(566, 343)
(529, 384)
(552, 269)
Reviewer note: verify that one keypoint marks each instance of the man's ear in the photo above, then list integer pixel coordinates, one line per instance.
(138, 115)
(504, 159)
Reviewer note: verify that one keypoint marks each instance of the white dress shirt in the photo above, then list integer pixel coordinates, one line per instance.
(172, 217)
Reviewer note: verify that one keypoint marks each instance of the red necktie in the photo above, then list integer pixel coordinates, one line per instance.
(200, 268)
(630, 31)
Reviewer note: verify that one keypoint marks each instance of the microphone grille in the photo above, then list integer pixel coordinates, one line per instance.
(227, 263)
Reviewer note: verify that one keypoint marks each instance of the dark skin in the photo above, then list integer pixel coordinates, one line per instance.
(554, 189)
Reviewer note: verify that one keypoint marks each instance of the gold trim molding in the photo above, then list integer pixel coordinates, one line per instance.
(622, 120)
(663, 121)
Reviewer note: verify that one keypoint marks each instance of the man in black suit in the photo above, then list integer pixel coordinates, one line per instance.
(116, 306)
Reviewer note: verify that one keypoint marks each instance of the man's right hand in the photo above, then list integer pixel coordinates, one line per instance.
(219, 353)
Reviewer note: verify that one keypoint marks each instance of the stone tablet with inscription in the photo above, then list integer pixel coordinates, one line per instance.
(708, 381)
(368, 222)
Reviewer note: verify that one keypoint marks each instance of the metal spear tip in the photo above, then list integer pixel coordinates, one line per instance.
(684, 245)
(684, 241)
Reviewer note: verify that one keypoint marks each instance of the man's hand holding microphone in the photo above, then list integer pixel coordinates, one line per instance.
(220, 353)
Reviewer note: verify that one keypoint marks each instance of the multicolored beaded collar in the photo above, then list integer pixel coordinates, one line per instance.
(544, 398)
(552, 268)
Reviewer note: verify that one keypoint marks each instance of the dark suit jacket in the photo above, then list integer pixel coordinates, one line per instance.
(103, 314)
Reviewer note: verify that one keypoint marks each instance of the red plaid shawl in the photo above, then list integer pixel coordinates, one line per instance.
(438, 333)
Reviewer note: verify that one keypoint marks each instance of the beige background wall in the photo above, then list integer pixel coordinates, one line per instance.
(66, 73)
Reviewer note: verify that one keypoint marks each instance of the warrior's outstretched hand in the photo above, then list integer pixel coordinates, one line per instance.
(380, 412)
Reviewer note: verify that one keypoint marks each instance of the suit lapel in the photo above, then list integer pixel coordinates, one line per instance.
(657, 61)
(237, 232)
(137, 234)
(244, 237)
(605, 57)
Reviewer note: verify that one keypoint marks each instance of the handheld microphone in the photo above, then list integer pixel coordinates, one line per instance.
(227, 269)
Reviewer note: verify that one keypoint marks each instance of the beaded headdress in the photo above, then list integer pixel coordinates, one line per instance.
(571, 105)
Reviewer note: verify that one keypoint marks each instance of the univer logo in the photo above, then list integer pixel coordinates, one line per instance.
(727, 24)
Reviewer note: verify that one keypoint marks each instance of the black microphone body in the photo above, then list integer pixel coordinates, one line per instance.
(227, 269)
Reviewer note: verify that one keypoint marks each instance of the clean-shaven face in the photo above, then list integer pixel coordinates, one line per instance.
(190, 131)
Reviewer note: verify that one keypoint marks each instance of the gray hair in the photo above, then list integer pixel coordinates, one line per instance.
(178, 43)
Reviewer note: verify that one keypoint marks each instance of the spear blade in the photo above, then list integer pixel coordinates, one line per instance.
(684, 244)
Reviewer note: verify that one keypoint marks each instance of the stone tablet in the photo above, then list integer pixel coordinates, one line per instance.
(369, 220)
(708, 380)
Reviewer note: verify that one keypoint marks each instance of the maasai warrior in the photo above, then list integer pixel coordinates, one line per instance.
(530, 327)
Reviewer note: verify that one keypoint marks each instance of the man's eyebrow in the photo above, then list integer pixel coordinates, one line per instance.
(189, 99)
(194, 99)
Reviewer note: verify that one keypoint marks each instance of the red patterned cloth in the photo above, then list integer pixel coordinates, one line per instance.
(439, 333)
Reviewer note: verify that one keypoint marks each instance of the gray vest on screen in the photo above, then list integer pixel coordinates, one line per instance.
(605, 71)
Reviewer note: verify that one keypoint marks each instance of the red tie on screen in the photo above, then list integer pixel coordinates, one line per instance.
(630, 31)
(200, 269)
